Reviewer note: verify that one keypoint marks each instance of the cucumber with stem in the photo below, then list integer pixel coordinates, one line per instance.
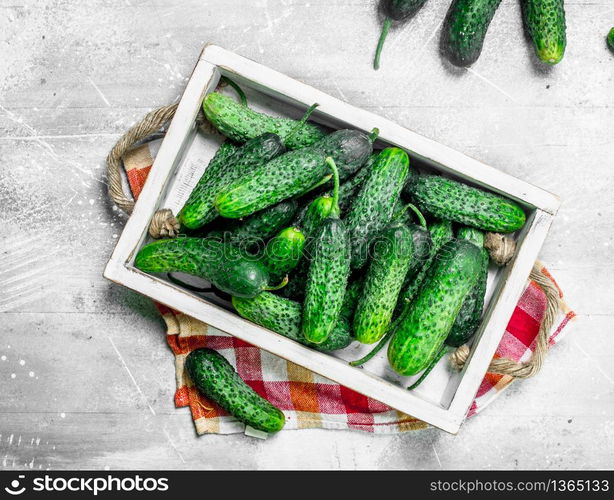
(240, 123)
(423, 329)
(372, 208)
(468, 318)
(392, 256)
(225, 266)
(328, 275)
(544, 21)
(283, 252)
(394, 10)
(465, 28)
(440, 233)
(229, 163)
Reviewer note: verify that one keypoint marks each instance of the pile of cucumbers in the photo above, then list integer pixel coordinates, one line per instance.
(324, 240)
(467, 22)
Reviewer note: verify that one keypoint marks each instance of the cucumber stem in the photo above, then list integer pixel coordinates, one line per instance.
(302, 121)
(380, 345)
(335, 211)
(374, 134)
(414, 209)
(237, 89)
(380, 42)
(283, 283)
(431, 365)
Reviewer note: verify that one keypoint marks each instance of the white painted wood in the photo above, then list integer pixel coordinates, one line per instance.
(333, 112)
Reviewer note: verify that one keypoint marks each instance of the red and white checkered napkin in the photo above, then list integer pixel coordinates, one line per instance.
(309, 400)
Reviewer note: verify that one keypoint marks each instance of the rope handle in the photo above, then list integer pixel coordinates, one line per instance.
(163, 223)
(501, 248)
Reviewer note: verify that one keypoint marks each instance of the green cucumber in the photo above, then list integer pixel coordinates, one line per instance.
(372, 207)
(392, 255)
(465, 28)
(215, 377)
(225, 266)
(226, 166)
(283, 252)
(468, 317)
(240, 123)
(610, 39)
(284, 177)
(256, 229)
(422, 248)
(293, 173)
(544, 21)
(395, 10)
(421, 332)
(283, 316)
(328, 275)
(451, 200)
(350, 187)
(440, 232)
(317, 212)
(199, 206)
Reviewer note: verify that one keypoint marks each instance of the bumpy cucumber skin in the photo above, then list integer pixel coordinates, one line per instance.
(421, 332)
(544, 21)
(610, 39)
(326, 281)
(469, 316)
(422, 248)
(347, 190)
(259, 227)
(317, 212)
(283, 252)
(349, 148)
(392, 254)
(440, 233)
(286, 176)
(350, 187)
(240, 123)
(223, 169)
(373, 206)
(225, 266)
(401, 9)
(293, 174)
(215, 377)
(283, 316)
(450, 200)
(199, 208)
(465, 28)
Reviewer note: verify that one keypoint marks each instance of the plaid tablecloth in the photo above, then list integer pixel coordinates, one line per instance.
(307, 399)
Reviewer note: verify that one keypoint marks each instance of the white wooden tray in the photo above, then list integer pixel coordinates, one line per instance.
(444, 398)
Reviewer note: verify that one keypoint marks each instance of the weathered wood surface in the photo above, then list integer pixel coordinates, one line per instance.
(95, 386)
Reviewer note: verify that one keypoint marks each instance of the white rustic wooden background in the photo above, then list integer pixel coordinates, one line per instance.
(86, 378)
